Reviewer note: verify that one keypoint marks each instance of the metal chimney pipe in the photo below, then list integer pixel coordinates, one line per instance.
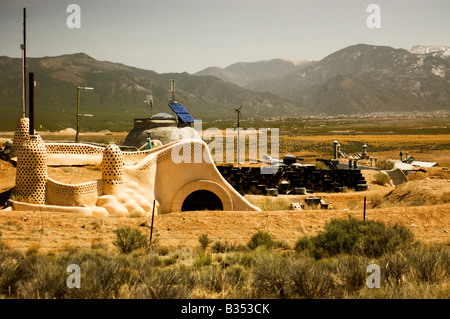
(31, 102)
(335, 149)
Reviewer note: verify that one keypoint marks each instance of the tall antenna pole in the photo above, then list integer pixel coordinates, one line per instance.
(24, 64)
(238, 139)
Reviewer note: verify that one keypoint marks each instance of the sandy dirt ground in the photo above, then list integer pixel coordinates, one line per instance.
(47, 231)
(52, 232)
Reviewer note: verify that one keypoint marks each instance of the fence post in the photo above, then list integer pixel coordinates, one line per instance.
(364, 216)
(153, 216)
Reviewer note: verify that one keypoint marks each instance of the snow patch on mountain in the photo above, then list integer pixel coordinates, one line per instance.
(294, 62)
(439, 50)
(439, 71)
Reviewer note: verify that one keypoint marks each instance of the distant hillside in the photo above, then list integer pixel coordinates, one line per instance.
(365, 78)
(119, 94)
(242, 73)
(359, 79)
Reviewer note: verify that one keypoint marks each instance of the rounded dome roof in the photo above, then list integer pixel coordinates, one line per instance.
(163, 116)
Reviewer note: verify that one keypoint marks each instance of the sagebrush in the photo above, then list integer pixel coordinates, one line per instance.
(346, 248)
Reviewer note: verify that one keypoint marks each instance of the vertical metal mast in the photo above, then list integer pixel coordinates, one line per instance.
(172, 88)
(24, 64)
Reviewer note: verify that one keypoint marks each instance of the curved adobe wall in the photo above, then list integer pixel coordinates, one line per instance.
(84, 211)
(73, 154)
(73, 195)
(73, 148)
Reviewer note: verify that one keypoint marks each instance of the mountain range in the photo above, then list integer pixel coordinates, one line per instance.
(366, 78)
(119, 94)
(243, 73)
(354, 80)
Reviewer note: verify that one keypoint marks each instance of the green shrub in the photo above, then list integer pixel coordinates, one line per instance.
(430, 264)
(219, 247)
(351, 236)
(339, 236)
(240, 258)
(352, 272)
(211, 277)
(270, 275)
(236, 275)
(377, 239)
(204, 240)
(49, 280)
(165, 283)
(14, 268)
(170, 260)
(202, 259)
(396, 268)
(163, 251)
(226, 247)
(105, 276)
(276, 276)
(310, 279)
(303, 243)
(260, 238)
(150, 261)
(128, 239)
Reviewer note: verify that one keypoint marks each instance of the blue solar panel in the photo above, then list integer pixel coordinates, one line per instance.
(182, 113)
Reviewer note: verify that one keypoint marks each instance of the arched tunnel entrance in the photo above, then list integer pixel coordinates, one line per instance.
(202, 200)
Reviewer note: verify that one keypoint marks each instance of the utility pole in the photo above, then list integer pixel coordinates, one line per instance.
(79, 88)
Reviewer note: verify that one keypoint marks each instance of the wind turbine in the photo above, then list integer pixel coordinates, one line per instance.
(238, 111)
(149, 101)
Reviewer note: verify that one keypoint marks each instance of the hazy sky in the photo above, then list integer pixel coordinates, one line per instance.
(190, 35)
